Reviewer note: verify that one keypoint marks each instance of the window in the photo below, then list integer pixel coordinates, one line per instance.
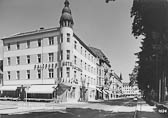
(81, 64)
(51, 57)
(28, 59)
(28, 74)
(8, 47)
(18, 46)
(51, 40)
(85, 66)
(17, 75)
(9, 61)
(75, 59)
(38, 74)
(89, 56)
(68, 37)
(61, 55)
(8, 75)
(75, 43)
(85, 53)
(39, 42)
(51, 73)
(89, 68)
(39, 58)
(74, 74)
(68, 54)
(81, 76)
(68, 72)
(17, 60)
(28, 44)
(61, 73)
(61, 38)
(81, 50)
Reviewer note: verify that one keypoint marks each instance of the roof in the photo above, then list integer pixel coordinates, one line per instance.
(41, 30)
(101, 55)
(117, 77)
(84, 45)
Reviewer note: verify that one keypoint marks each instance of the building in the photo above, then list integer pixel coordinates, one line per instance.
(1, 72)
(115, 86)
(103, 69)
(130, 91)
(53, 63)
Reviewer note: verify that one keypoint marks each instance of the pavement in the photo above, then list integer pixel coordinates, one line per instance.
(19, 107)
(146, 111)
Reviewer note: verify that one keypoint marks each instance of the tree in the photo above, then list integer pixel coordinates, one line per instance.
(133, 76)
(151, 21)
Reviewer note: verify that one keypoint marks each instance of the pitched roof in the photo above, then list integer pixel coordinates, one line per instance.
(41, 30)
(100, 55)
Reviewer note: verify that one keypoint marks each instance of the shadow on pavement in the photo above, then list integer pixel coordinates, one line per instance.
(143, 114)
(120, 102)
(73, 113)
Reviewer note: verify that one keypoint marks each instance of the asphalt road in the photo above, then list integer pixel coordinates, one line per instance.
(88, 110)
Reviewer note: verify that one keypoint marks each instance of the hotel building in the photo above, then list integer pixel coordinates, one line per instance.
(51, 64)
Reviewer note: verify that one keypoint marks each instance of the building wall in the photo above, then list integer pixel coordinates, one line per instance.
(32, 51)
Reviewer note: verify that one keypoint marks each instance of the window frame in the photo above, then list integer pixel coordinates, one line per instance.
(68, 54)
(28, 59)
(51, 57)
(51, 73)
(68, 37)
(39, 58)
(17, 45)
(18, 75)
(39, 74)
(39, 42)
(18, 60)
(28, 74)
(28, 44)
(51, 40)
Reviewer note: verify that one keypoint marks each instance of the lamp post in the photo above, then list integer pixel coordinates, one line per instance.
(27, 88)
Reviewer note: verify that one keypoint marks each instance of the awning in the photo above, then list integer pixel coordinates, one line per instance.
(45, 89)
(105, 92)
(8, 88)
(98, 90)
(109, 92)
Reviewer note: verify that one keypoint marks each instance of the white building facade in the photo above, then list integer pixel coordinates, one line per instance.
(130, 91)
(49, 64)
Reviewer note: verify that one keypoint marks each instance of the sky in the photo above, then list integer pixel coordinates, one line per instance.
(98, 24)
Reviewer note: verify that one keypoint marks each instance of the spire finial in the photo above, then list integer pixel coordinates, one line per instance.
(66, 3)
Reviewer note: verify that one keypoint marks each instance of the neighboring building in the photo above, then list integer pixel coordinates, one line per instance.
(1, 72)
(116, 86)
(130, 91)
(103, 74)
(52, 64)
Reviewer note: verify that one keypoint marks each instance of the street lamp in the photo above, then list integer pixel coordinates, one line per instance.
(27, 88)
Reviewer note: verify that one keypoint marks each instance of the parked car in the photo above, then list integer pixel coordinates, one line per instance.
(135, 98)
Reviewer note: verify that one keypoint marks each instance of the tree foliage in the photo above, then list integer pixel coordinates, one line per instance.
(133, 76)
(151, 21)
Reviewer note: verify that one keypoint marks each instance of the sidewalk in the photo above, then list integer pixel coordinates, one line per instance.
(146, 111)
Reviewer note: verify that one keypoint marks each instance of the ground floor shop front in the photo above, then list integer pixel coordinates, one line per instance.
(57, 93)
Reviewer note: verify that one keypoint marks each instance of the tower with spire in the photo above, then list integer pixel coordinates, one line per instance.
(66, 44)
(66, 19)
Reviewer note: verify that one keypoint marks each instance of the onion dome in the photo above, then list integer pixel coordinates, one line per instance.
(66, 19)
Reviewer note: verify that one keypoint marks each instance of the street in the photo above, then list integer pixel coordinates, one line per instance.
(121, 108)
